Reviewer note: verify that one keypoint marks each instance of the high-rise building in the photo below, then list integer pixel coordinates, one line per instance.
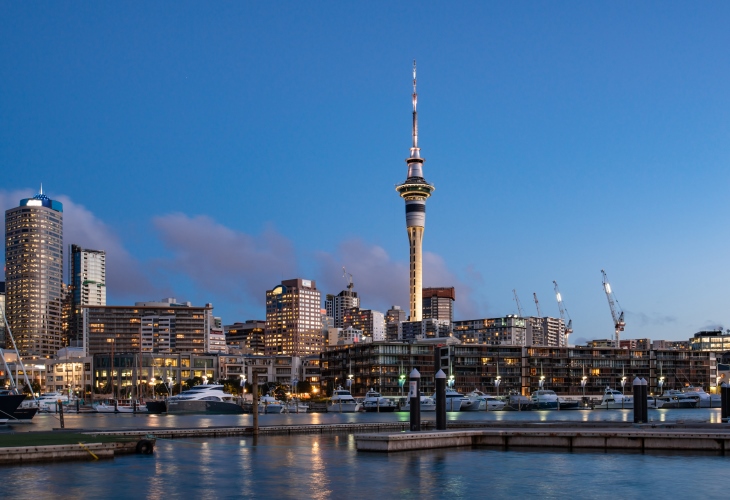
(87, 285)
(415, 191)
(438, 303)
(2, 313)
(394, 319)
(293, 319)
(337, 305)
(248, 336)
(372, 323)
(34, 275)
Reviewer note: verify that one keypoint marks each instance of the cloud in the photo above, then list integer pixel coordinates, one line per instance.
(382, 282)
(81, 227)
(228, 264)
(642, 319)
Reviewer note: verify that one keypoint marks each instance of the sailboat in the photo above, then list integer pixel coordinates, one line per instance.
(10, 410)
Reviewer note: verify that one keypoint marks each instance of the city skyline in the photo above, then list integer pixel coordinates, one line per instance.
(214, 153)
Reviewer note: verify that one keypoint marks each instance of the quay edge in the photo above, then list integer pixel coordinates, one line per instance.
(633, 439)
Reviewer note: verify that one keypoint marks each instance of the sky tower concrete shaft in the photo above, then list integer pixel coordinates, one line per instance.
(415, 191)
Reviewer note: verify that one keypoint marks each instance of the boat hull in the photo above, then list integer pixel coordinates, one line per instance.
(200, 406)
(342, 407)
(156, 407)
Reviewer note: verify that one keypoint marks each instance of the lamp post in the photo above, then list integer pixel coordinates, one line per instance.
(583, 382)
(152, 384)
(243, 385)
(401, 381)
(661, 384)
(497, 381)
(542, 381)
(451, 381)
(169, 385)
(623, 384)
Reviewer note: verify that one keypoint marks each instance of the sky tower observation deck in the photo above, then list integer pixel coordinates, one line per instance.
(415, 191)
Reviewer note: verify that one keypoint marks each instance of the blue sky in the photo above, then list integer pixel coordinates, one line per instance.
(215, 149)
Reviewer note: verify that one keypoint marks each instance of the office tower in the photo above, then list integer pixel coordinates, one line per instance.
(87, 285)
(438, 303)
(394, 318)
(415, 191)
(337, 305)
(34, 275)
(293, 319)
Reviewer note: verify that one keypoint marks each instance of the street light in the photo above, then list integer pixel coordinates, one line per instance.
(169, 385)
(623, 383)
(243, 384)
(401, 381)
(497, 381)
(542, 381)
(451, 381)
(583, 382)
(152, 384)
(661, 384)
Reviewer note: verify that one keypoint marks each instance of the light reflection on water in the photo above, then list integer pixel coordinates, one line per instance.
(126, 421)
(328, 466)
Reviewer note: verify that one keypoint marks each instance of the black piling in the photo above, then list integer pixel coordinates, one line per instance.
(644, 400)
(638, 412)
(414, 397)
(724, 401)
(440, 401)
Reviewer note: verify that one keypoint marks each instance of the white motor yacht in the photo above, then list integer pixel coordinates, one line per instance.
(704, 400)
(544, 399)
(342, 402)
(203, 399)
(270, 404)
(615, 400)
(677, 399)
(296, 406)
(374, 402)
(456, 401)
(427, 404)
(118, 407)
(47, 402)
(486, 402)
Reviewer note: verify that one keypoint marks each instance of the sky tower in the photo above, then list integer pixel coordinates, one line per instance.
(415, 190)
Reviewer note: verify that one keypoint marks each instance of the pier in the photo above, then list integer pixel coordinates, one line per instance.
(568, 436)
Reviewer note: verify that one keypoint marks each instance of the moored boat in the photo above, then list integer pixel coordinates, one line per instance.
(342, 402)
(615, 400)
(677, 399)
(704, 400)
(544, 399)
(374, 402)
(427, 404)
(210, 399)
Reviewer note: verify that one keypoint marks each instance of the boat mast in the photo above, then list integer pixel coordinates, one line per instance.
(20, 360)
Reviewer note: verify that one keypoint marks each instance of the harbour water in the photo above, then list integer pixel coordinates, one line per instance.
(328, 466)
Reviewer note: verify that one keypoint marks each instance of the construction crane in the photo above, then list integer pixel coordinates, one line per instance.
(519, 307)
(537, 305)
(563, 313)
(348, 277)
(616, 313)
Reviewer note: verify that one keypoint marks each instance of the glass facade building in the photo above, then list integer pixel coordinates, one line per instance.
(34, 275)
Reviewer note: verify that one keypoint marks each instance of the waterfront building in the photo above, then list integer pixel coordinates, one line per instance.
(643, 344)
(344, 336)
(165, 327)
(394, 318)
(713, 340)
(519, 368)
(69, 372)
(678, 345)
(247, 336)
(35, 369)
(127, 375)
(216, 340)
(425, 329)
(272, 371)
(600, 343)
(372, 323)
(509, 330)
(415, 191)
(336, 306)
(293, 319)
(438, 303)
(86, 287)
(546, 331)
(34, 275)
